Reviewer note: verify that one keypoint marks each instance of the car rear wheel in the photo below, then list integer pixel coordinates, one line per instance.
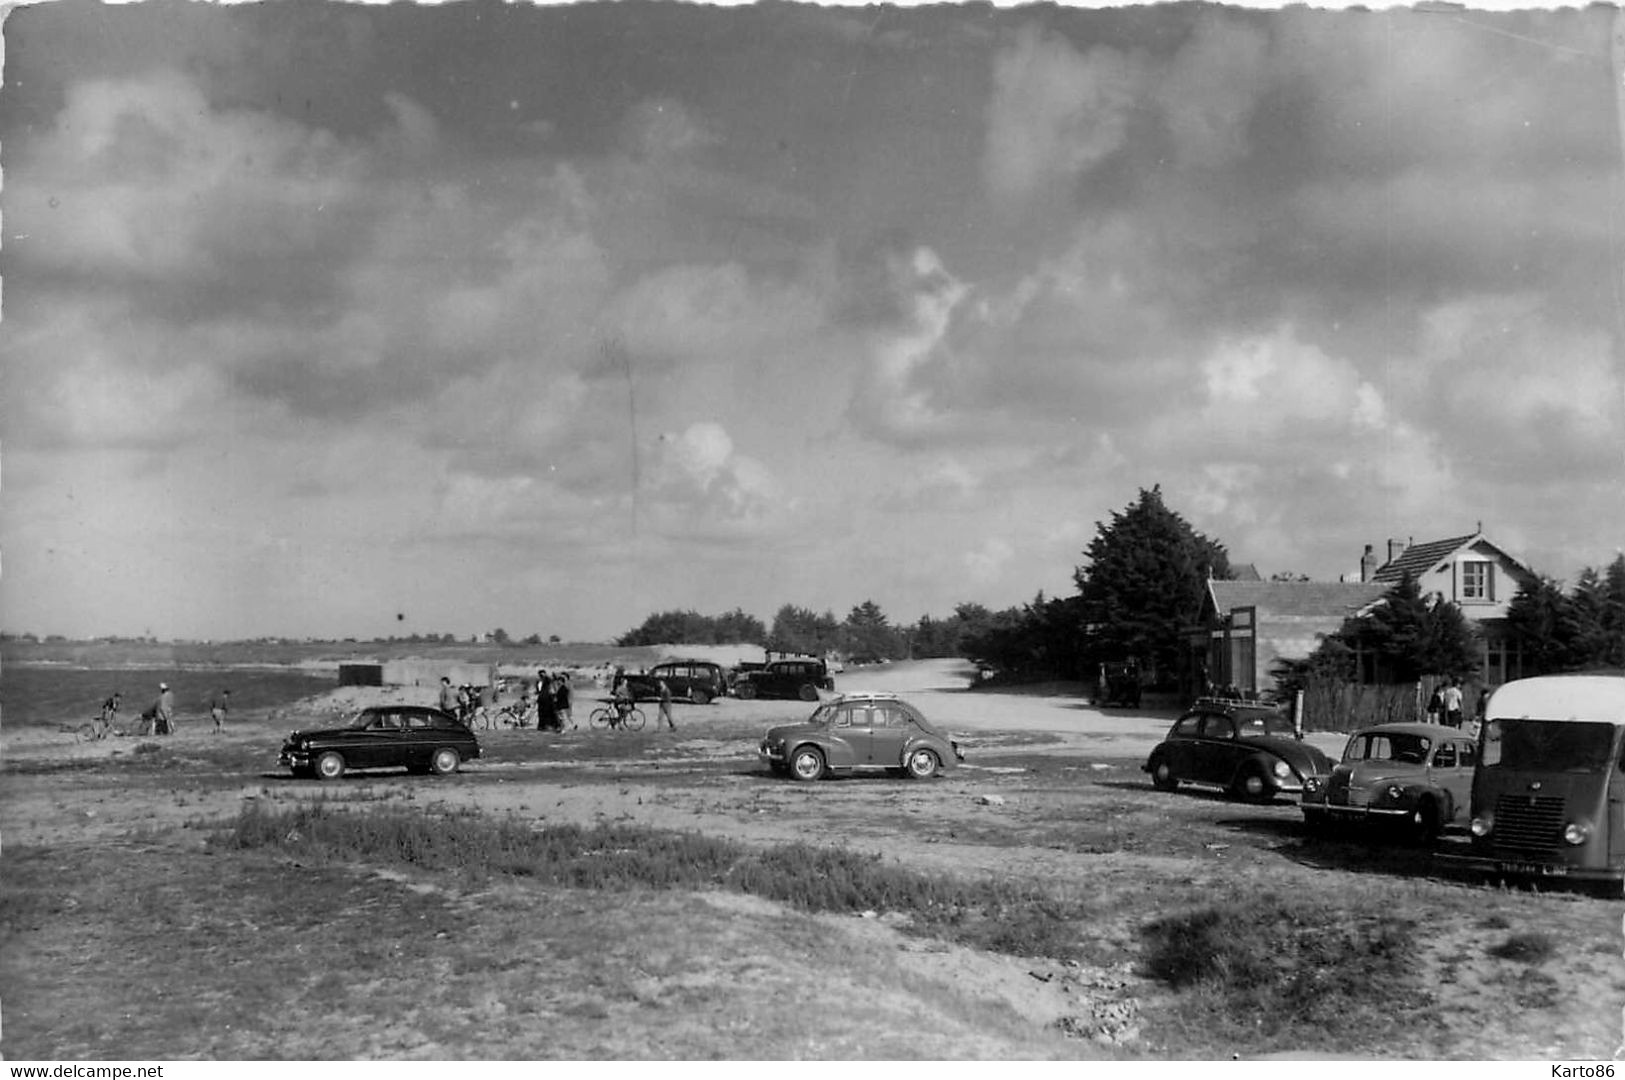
(1254, 785)
(1162, 775)
(807, 763)
(445, 761)
(923, 764)
(698, 696)
(809, 692)
(330, 766)
(745, 691)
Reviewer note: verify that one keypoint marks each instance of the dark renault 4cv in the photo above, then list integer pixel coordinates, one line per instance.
(1249, 750)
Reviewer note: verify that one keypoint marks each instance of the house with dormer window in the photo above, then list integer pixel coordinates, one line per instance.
(1247, 625)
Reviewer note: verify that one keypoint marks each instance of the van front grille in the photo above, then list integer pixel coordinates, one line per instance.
(1528, 823)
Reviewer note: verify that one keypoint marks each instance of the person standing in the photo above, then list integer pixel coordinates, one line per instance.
(665, 705)
(1450, 701)
(561, 702)
(448, 696)
(1435, 708)
(547, 716)
(110, 709)
(218, 709)
(163, 718)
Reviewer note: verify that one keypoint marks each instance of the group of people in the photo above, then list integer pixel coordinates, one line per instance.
(1446, 704)
(159, 717)
(553, 702)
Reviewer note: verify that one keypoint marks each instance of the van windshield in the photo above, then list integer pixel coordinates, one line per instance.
(1549, 746)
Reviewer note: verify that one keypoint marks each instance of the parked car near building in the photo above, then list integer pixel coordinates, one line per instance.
(860, 731)
(785, 679)
(1246, 749)
(1417, 777)
(414, 737)
(698, 681)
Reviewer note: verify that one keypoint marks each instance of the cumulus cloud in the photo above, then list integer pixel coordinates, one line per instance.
(700, 477)
(1055, 113)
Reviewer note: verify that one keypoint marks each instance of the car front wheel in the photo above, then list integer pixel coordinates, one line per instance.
(330, 766)
(807, 764)
(1162, 776)
(745, 691)
(809, 692)
(444, 762)
(1254, 785)
(923, 764)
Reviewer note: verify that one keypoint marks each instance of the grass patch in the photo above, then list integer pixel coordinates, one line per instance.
(1280, 969)
(991, 914)
(1530, 947)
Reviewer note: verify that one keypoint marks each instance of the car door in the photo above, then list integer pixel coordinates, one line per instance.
(1216, 752)
(377, 743)
(849, 736)
(1178, 749)
(890, 730)
(1451, 770)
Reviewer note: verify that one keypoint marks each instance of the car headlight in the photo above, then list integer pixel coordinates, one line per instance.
(1394, 791)
(1481, 825)
(1311, 785)
(1576, 832)
(1282, 769)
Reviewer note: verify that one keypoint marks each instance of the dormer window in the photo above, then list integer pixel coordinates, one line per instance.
(1477, 581)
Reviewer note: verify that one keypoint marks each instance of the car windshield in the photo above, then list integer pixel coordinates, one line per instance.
(1388, 746)
(1548, 746)
(1253, 725)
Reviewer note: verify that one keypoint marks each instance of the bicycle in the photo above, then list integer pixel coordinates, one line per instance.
(608, 716)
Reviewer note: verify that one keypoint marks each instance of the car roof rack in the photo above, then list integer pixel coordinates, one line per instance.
(1213, 701)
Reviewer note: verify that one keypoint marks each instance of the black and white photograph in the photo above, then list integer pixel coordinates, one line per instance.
(652, 531)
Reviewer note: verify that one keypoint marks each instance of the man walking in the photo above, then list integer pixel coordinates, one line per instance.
(217, 710)
(1450, 700)
(163, 722)
(665, 705)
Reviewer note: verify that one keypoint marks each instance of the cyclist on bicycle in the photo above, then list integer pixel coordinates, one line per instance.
(620, 693)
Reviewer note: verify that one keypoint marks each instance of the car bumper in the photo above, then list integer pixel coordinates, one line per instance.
(1481, 864)
(295, 759)
(773, 755)
(1357, 813)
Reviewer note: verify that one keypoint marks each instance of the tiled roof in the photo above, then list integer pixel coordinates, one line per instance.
(1314, 599)
(1420, 558)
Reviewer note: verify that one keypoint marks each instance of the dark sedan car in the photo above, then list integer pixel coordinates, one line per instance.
(1248, 751)
(1416, 777)
(415, 737)
(858, 731)
(785, 679)
(698, 681)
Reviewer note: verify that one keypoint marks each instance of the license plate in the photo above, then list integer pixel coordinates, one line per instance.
(1539, 869)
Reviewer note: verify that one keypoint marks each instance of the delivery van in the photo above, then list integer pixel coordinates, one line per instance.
(1548, 796)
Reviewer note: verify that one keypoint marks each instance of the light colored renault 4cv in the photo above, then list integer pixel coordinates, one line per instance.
(1548, 796)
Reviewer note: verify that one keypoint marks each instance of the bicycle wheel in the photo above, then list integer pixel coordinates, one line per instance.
(601, 718)
(633, 720)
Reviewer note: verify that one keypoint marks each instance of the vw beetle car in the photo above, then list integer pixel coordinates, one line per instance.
(1414, 776)
(1246, 749)
(858, 731)
(415, 737)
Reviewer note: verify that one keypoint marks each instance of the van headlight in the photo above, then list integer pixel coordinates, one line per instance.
(1576, 832)
(1481, 825)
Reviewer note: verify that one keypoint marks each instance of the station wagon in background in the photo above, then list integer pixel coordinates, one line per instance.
(1248, 750)
(860, 731)
(801, 679)
(1414, 777)
(698, 681)
(417, 738)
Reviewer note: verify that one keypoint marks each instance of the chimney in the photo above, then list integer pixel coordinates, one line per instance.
(1396, 548)
(1368, 564)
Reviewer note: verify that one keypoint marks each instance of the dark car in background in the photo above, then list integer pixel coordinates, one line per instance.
(799, 679)
(698, 681)
(1247, 750)
(860, 731)
(418, 738)
(1414, 777)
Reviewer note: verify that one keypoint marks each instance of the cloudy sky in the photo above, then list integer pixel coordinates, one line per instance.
(341, 320)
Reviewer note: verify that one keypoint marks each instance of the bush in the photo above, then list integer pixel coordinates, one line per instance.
(1531, 947)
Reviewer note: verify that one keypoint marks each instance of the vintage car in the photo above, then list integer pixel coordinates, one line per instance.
(698, 681)
(860, 731)
(1415, 777)
(415, 737)
(785, 679)
(1248, 750)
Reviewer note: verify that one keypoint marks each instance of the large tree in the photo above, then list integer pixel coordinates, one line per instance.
(1143, 584)
(868, 635)
(802, 630)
